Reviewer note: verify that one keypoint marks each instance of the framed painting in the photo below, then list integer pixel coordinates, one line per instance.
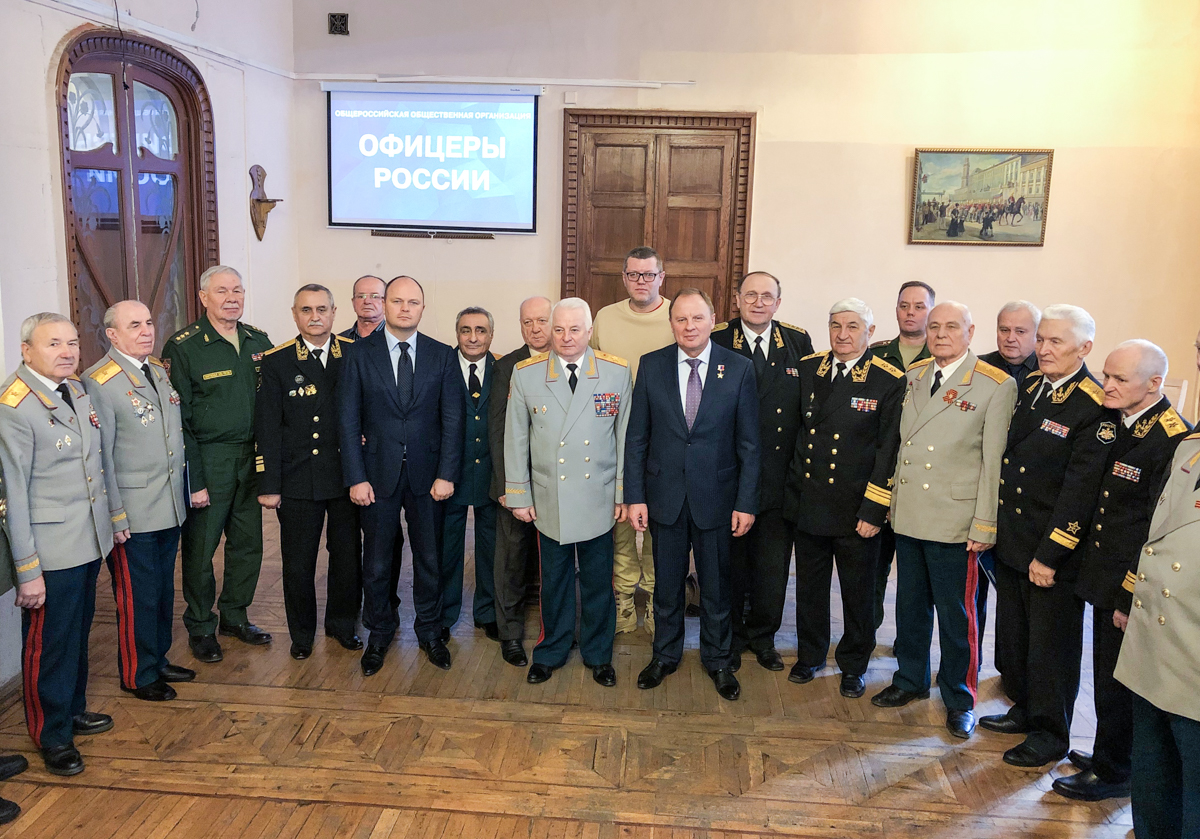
(980, 197)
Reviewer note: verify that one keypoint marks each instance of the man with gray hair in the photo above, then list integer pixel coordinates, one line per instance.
(1016, 336)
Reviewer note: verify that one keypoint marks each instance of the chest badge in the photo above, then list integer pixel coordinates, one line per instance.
(950, 396)
(720, 371)
(1055, 428)
(1107, 432)
(1129, 473)
(865, 405)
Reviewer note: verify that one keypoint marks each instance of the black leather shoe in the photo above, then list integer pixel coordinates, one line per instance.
(158, 691)
(1004, 724)
(175, 673)
(90, 722)
(654, 672)
(247, 633)
(1027, 756)
(513, 652)
(894, 697)
(726, 683)
(770, 659)
(9, 810)
(605, 675)
(372, 659)
(445, 636)
(63, 760)
(735, 661)
(350, 642)
(12, 765)
(539, 673)
(1086, 786)
(960, 723)
(852, 686)
(301, 651)
(1080, 760)
(802, 674)
(489, 629)
(437, 653)
(205, 648)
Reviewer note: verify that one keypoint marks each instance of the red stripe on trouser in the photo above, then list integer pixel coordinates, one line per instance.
(35, 717)
(541, 591)
(972, 622)
(126, 636)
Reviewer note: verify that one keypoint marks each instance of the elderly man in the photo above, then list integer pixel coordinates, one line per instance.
(61, 521)
(564, 455)
(1053, 465)
(214, 365)
(839, 491)
(1016, 338)
(141, 426)
(952, 430)
(367, 300)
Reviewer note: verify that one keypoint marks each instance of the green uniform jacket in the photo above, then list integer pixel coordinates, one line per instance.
(216, 385)
(889, 351)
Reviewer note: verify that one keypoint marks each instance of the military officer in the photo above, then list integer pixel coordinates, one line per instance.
(61, 521)
(953, 425)
(839, 489)
(10, 765)
(1048, 487)
(214, 365)
(300, 473)
(140, 425)
(760, 559)
(1141, 433)
(564, 455)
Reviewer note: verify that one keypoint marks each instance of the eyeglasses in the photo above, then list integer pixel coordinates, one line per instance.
(752, 297)
(644, 276)
(368, 297)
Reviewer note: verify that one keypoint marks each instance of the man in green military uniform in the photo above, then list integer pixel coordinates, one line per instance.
(213, 365)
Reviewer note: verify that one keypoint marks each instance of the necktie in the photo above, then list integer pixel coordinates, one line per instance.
(65, 393)
(146, 373)
(937, 382)
(691, 401)
(1042, 391)
(475, 386)
(760, 358)
(840, 372)
(317, 355)
(573, 380)
(404, 376)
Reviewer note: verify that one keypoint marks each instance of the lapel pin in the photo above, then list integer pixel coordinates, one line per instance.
(720, 371)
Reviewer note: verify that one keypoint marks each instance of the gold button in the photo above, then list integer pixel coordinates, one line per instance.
(562, 477)
(93, 499)
(476, 460)
(837, 436)
(808, 460)
(316, 436)
(561, 444)
(1174, 566)
(562, 460)
(779, 429)
(316, 419)
(777, 448)
(1137, 604)
(904, 480)
(831, 480)
(909, 443)
(807, 475)
(1001, 502)
(1166, 592)
(1099, 527)
(1006, 461)
(1162, 621)
(1018, 511)
(928, 465)
(832, 466)
(924, 486)
(170, 454)
(477, 440)
(1097, 544)
(833, 451)
(1018, 490)
(89, 479)
(1149, 551)
(1106, 493)
(1101, 511)
(1001, 482)
(587, 460)
(931, 448)
(812, 431)
(477, 416)
(810, 445)
(586, 475)
(906, 463)
(316, 451)
(779, 410)
(1141, 578)
(587, 442)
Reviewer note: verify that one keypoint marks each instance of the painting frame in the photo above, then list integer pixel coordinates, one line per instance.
(1010, 178)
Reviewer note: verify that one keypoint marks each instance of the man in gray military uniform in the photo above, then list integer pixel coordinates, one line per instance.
(62, 514)
(142, 429)
(564, 458)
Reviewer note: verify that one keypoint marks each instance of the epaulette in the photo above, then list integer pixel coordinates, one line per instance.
(1172, 423)
(1033, 374)
(14, 393)
(921, 363)
(344, 338)
(253, 328)
(879, 344)
(103, 374)
(155, 361)
(612, 359)
(887, 367)
(533, 359)
(796, 328)
(283, 346)
(1093, 390)
(190, 332)
(820, 354)
(1195, 435)
(720, 326)
(75, 377)
(994, 373)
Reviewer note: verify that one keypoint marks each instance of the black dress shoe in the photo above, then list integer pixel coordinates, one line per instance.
(802, 674)
(726, 683)
(770, 659)
(301, 651)
(205, 648)
(654, 672)
(90, 722)
(1028, 756)
(735, 661)
(445, 636)
(247, 633)
(63, 760)
(604, 674)
(1086, 786)
(853, 686)
(437, 653)
(12, 765)
(9, 810)
(372, 659)
(539, 673)
(158, 691)
(1004, 724)
(350, 642)
(489, 629)
(513, 652)
(894, 697)
(1080, 760)
(960, 723)
(175, 673)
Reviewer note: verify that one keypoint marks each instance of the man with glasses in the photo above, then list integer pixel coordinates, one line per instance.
(368, 307)
(630, 329)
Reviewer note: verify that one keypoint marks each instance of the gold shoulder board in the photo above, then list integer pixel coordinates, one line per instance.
(14, 393)
(790, 326)
(720, 326)
(103, 374)
(1093, 390)
(155, 361)
(820, 354)
(344, 339)
(281, 347)
(879, 344)
(253, 328)
(612, 359)
(533, 359)
(916, 365)
(1172, 423)
(887, 367)
(1195, 435)
(187, 333)
(994, 373)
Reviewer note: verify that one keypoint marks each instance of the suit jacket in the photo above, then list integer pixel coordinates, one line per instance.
(948, 465)
(476, 480)
(778, 400)
(1051, 474)
(1020, 372)
(845, 456)
(142, 429)
(1136, 465)
(502, 372)
(1160, 653)
(296, 422)
(428, 431)
(564, 452)
(715, 465)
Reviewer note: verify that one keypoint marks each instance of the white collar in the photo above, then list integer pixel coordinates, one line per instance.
(324, 348)
(750, 335)
(1132, 418)
(393, 341)
(577, 362)
(49, 383)
(850, 365)
(705, 353)
(949, 370)
(1064, 379)
(137, 365)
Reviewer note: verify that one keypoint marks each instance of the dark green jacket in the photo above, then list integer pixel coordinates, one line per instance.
(889, 351)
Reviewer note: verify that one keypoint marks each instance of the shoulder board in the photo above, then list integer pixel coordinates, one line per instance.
(253, 328)
(879, 344)
(189, 332)
(533, 359)
(1172, 423)
(14, 393)
(887, 367)
(794, 328)
(155, 361)
(612, 359)
(994, 373)
(74, 377)
(918, 364)
(720, 326)
(495, 356)
(1033, 374)
(103, 374)
(1195, 435)
(281, 347)
(343, 339)
(1093, 390)
(820, 354)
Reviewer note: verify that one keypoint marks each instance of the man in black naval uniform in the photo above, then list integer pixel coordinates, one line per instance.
(1141, 433)
(839, 490)
(1016, 339)
(760, 559)
(1049, 480)
(300, 473)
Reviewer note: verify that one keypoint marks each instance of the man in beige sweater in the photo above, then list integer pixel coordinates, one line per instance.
(630, 329)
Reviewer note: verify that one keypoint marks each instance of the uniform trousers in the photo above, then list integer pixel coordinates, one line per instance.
(941, 576)
(234, 511)
(856, 559)
(631, 568)
(710, 550)
(54, 654)
(1039, 632)
(143, 582)
(454, 533)
(1114, 703)
(301, 523)
(887, 552)
(598, 610)
(759, 562)
(515, 541)
(1165, 785)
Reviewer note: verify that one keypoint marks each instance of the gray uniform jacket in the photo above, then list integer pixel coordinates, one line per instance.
(1160, 653)
(62, 504)
(947, 482)
(141, 427)
(564, 453)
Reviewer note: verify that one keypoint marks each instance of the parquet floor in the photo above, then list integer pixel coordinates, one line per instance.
(263, 746)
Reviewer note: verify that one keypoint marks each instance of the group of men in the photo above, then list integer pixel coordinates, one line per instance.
(719, 447)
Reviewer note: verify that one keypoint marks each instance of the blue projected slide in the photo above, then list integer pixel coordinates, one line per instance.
(432, 161)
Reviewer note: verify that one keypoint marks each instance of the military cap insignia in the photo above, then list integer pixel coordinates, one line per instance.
(1055, 428)
(1129, 473)
(1107, 432)
(607, 404)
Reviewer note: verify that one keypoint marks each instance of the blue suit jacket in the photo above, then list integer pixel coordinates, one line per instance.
(715, 466)
(472, 490)
(430, 429)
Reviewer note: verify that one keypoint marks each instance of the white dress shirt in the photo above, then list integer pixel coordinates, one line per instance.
(1132, 418)
(50, 384)
(324, 348)
(948, 371)
(850, 365)
(394, 349)
(465, 366)
(750, 336)
(685, 371)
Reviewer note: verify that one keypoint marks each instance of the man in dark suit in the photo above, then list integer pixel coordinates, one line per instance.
(300, 473)
(1049, 480)
(368, 307)
(516, 540)
(691, 475)
(839, 490)
(401, 437)
(760, 559)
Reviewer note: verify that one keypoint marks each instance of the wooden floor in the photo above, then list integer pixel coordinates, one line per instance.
(264, 746)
